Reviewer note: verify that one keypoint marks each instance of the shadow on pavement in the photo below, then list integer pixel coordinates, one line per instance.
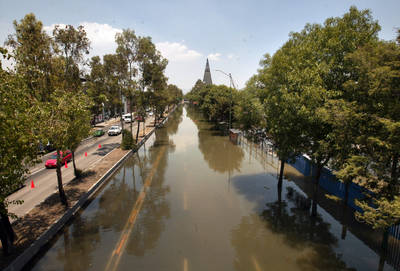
(106, 148)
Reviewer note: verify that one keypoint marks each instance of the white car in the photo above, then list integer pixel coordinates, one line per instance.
(114, 130)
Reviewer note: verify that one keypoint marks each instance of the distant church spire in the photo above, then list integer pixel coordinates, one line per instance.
(207, 75)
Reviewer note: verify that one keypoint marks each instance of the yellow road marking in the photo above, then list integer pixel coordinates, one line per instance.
(115, 258)
(118, 251)
(256, 265)
(185, 264)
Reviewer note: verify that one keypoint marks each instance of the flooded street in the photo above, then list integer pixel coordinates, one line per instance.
(192, 200)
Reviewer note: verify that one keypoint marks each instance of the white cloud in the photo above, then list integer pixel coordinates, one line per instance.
(49, 29)
(185, 65)
(102, 37)
(214, 57)
(177, 52)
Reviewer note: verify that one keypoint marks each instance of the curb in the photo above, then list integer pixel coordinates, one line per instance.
(23, 259)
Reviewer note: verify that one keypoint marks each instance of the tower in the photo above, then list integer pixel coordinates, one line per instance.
(207, 75)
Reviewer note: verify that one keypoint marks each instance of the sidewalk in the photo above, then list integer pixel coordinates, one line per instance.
(107, 122)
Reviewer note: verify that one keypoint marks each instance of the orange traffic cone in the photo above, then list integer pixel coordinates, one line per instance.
(66, 166)
(32, 184)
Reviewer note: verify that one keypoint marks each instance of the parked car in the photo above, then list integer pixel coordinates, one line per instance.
(98, 132)
(114, 130)
(66, 156)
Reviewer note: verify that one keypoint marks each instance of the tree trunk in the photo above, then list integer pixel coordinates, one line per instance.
(281, 174)
(5, 240)
(393, 177)
(73, 163)
(137, 131)
(144, 127)
(346, 192)
(63, 197)
(316, 187)
(120, 115)
(7, 234)
(130, 108)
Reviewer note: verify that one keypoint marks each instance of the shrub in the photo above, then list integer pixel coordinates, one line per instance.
(127, 140)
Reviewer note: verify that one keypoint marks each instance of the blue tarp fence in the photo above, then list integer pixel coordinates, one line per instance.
(330, 183)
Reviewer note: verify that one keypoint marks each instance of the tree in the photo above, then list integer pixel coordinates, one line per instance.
(97, 87)
(151, 66)
(375, 89)
(32, 52)
(78, 121)
(18, 143)
(217, 102)
(315, 70)
(73, 44)
(65, 122)
(174, 95)
(127, 49)
(194, 94)
(115, 74)
(249, 111)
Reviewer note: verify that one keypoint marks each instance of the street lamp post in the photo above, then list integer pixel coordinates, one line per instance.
(231, 84)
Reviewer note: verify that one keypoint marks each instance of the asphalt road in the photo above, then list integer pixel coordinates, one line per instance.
(45, 180)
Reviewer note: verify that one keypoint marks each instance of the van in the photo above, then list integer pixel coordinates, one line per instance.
(127, 117)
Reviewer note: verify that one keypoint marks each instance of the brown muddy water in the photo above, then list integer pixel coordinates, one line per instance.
(192, 200)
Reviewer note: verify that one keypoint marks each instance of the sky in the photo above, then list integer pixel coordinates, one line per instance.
(234, 35)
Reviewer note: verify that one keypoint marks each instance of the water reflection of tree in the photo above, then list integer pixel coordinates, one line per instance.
(83, 236)
(221, 155)
(155, 209)
(301, 229)
(172, 127)
(115, 204)
(80, 240)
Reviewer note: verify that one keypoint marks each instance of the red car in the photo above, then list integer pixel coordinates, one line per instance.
(52, 162)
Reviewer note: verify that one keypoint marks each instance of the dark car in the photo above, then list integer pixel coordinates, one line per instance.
(66, 156)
